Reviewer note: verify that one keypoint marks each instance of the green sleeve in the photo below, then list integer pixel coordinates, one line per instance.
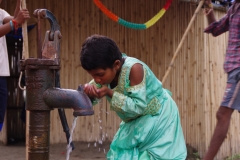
(131, 104)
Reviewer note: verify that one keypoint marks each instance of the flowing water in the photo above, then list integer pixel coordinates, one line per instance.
(98, 141)
(69, 147)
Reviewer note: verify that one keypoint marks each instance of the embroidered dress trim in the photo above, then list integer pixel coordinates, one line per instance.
(121, 81)
(140, 85)
(152, 107)
(117, 102)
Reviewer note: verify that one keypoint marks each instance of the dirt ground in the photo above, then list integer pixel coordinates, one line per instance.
(82, 151)
(17, 151)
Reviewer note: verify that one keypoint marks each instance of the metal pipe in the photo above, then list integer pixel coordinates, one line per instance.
(68, 98)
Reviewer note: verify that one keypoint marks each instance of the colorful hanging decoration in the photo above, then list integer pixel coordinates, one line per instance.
(130, 24)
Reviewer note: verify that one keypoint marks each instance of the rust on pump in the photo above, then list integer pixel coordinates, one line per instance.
(43, 92)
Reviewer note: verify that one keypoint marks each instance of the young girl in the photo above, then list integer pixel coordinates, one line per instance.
(150, 127)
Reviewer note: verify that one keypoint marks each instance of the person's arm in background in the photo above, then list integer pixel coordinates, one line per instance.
(209, 12)
(17, 9)
(216, 27)
(5, 28)
(19, 16)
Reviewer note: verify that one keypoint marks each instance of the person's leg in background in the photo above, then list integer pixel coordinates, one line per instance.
(3, 99)
(230, 102)
(223, 121)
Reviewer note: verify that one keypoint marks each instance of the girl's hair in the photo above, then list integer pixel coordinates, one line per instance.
(99, 52)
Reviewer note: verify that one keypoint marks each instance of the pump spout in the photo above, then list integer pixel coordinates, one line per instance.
(68, 98)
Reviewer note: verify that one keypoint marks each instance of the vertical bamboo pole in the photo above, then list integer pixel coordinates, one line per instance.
(25, 55)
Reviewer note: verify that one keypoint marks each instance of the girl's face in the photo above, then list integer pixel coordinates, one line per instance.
(105, 76)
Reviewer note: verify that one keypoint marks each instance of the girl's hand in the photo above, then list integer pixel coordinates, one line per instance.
(104, 91)
(91, 90)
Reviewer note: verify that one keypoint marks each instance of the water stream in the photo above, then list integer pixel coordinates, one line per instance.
(69, 147)
(98, 141)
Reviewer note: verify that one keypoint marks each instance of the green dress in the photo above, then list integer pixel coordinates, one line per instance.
(150, 127)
